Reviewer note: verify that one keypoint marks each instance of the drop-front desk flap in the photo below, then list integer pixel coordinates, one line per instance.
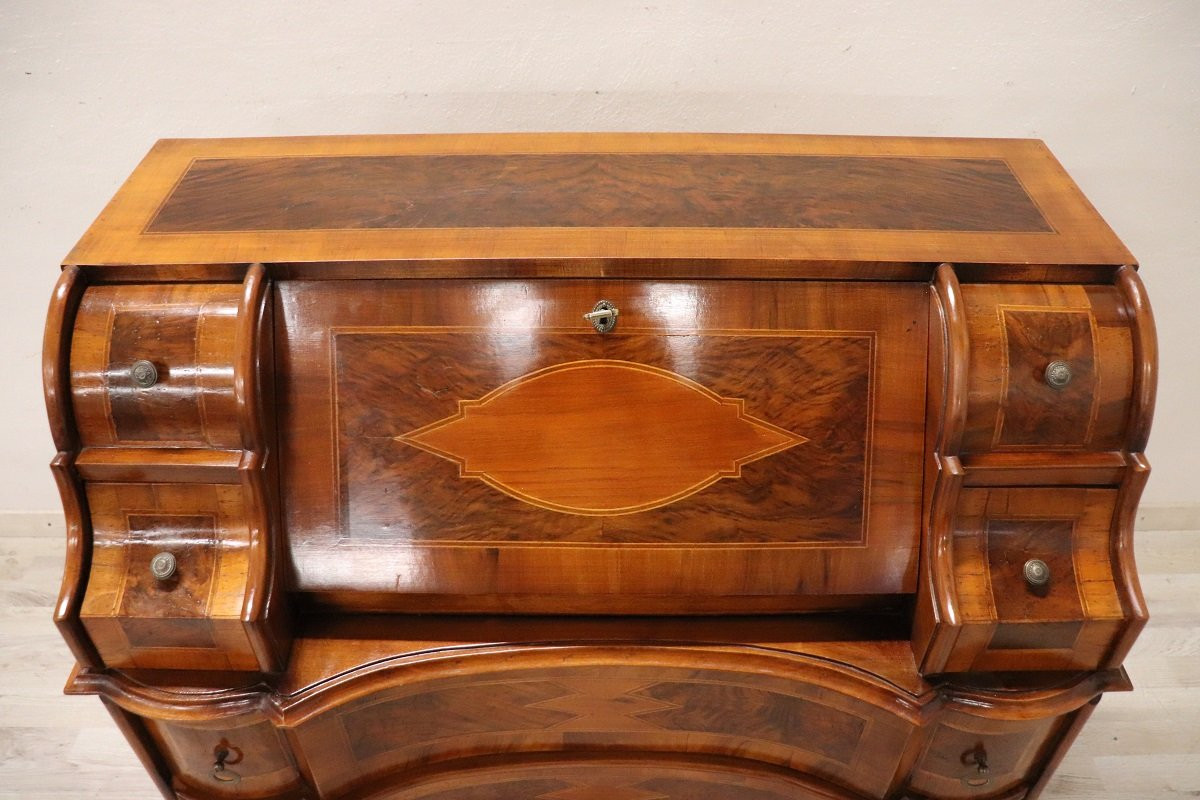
(543, 465)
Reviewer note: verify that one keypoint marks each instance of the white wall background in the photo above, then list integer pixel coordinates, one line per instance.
(86, 88)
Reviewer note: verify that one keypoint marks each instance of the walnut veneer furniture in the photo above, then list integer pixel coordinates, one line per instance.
(829, 495)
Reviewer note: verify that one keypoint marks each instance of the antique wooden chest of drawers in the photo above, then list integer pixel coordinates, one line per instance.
(643, 467)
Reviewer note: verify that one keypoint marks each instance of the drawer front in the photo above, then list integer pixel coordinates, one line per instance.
(187, 332)
(1016, 333)
(479, 446)
(241, 757)
(614, 778)
(1013, 620)
(190, 618)
(967, 756)
(823, 731)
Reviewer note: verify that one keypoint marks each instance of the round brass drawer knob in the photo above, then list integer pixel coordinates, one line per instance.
(1058, 374)
(1037, 572)
(144, 374)
(163, 566)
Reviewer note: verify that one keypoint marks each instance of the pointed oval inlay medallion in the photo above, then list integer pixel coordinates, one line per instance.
(601, 437)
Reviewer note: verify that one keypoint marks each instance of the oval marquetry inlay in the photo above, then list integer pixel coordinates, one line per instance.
(601, 437)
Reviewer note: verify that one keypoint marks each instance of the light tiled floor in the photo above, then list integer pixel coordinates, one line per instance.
(1137, 746)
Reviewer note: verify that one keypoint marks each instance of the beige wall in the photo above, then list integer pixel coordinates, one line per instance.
(86, 88)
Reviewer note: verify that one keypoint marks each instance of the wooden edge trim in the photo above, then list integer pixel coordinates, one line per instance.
(144, 746)
(948, 422)
(427, 777)
(248, 357)
(290, 711)
(1145, 358)
(253, 379)
(190, 706)
(56, 357)
(957, 345)
(1049, 469)
(1017, 793)
(369, 679)
(938, 550)
(300, 758)
(216, 272)
(1064, 744)
(298, 793)
(1125, 575)
(159, 465)
(78, 562)
(1034, 703)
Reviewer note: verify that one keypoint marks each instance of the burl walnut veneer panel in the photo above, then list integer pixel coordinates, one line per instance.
(620, 190)
(488, 450)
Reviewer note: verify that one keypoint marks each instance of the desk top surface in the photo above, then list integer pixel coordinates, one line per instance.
(712, 198)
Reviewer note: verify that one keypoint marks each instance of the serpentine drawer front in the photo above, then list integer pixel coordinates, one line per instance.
(536, 467)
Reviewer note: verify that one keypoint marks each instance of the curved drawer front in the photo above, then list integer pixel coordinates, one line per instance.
(967, 756)
(187, 332)
(189, 619)
(1017, 331)
(1010, 622)
(609, 779)
(243, 757)
(480, 446)
(823, 731)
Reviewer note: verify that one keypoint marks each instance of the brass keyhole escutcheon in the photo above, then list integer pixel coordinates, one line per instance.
(603, 316)
(976, 757)
(226, 754)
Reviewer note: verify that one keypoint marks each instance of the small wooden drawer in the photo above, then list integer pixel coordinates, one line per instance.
(1010, 620)
(967, 756)
(187, 333)
(243, 757)
(1017, 332)
(191, 619)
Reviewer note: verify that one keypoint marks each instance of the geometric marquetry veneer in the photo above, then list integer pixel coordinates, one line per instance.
(557, 467)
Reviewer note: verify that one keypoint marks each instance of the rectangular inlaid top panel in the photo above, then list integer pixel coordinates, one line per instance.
(744, 205)
(633, 190)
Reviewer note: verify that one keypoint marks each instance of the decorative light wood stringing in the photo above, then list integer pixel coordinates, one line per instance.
(644, 467)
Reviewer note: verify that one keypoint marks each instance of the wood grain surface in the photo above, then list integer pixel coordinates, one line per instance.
(136, 620)
(1015, 332)
(187, 332)
(834, 367)
(620, 190)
